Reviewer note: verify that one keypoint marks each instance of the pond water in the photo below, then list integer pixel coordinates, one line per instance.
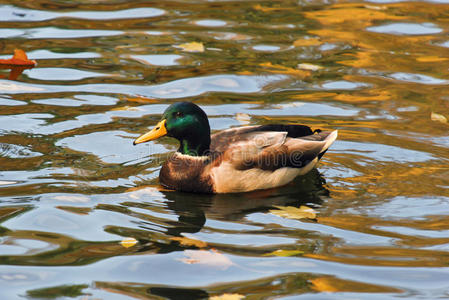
(72, 185)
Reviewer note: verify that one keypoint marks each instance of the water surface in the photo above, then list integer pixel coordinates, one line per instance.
(72, 185)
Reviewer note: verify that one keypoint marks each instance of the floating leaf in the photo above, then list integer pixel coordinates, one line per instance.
(242, 118)
(128, 242)
(19, 59)
(211, 258)
(284, 253)
(227, 297)
(191, 47)
(186, 241)
(290, 212)
(438, 117)
(139, 193)
(310, 67)
(18, 63)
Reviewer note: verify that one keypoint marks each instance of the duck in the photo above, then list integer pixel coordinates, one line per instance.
(235, 160)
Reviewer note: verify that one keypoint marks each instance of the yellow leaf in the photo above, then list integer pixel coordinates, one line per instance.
(242, 118)
(290, 212)
(185, 241)
(128, 242)
(284, 253)
(210, 258)
(192, 47)
(310, 67)
(438, 117)
(227, 297)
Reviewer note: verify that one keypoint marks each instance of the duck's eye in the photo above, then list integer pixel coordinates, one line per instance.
(179, 114)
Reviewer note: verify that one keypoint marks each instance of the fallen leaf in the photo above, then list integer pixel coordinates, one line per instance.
(186, 241)
(290, 212)
(211, 258)
(438, 117)
(18, 63)
(227, 297)
(128, 242)
(19, 59)
(310, 67)
(191, 47)
(242, 118)
(284, 253)
(140, 193)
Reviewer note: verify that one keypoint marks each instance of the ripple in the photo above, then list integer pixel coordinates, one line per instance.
(56, 33)
(47, 54)
(23, 122)
(380, 152)
(159, 59)
(16, 151)
(78, 100)
(16, 14)
(266, 48)
(10, 102)
(114, 148)
(406, 29)
(211, 23)
(343, 85)
(180, 88)
(409, 208)
(417, 78)
(63, 74)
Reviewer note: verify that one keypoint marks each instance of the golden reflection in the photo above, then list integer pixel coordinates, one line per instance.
(333, 285)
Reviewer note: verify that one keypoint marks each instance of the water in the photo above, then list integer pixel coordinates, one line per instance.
(72, 186)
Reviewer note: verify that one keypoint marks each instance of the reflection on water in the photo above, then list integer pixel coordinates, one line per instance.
(72, 186)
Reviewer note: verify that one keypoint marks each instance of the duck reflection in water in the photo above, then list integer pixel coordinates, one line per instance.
(194, 209)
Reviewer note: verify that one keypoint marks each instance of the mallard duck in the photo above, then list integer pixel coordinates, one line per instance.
(239, 159)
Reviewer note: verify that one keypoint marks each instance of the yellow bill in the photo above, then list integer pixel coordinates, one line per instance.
(158, 131)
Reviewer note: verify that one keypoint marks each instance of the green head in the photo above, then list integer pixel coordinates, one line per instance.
(187, 123)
